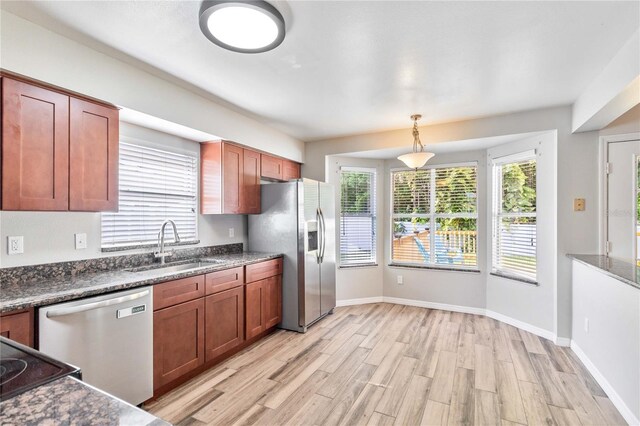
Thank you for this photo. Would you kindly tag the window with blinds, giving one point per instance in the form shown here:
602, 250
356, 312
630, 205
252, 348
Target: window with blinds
357, 216
155, 186
435, 216
514, 216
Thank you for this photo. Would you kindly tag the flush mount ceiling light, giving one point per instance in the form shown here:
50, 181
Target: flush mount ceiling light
242, 26
419, 156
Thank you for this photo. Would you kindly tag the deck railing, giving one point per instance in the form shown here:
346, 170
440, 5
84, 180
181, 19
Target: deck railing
462, 243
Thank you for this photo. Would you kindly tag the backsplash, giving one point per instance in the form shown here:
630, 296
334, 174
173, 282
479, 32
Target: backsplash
72, 268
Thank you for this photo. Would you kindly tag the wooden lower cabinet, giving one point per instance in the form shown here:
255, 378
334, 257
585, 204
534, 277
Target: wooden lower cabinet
178, 341
18, 327
273, 301
263, 305
224, 321
254, 309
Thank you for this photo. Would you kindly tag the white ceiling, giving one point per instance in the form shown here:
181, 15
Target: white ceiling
350, 67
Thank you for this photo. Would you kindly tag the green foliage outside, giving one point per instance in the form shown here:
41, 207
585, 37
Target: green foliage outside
355, 192
519, 187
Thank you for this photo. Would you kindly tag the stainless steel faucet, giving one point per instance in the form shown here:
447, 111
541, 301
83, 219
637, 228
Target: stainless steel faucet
176, 238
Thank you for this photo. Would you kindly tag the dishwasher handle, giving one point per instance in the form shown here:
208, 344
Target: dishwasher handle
95, 305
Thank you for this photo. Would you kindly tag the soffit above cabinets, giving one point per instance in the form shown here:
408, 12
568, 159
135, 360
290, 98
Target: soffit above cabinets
356, 67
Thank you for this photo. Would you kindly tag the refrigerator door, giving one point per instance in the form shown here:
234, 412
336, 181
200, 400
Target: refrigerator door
328, 249
310, 297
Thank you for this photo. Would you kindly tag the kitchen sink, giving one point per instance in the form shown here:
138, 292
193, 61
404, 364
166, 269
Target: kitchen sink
178, 266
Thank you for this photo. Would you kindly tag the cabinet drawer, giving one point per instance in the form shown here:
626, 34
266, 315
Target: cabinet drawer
262, 270
178, 291
224, 280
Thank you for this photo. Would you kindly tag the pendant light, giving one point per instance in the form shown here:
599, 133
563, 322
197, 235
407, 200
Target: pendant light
418, 157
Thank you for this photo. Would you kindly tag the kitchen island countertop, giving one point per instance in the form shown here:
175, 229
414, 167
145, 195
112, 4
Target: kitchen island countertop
621, 270
70, 401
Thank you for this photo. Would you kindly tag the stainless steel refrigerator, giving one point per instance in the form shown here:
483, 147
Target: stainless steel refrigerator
298, 219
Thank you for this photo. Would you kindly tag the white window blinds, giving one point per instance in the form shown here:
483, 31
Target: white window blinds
514, 216
155, 186
357, 216
435, 216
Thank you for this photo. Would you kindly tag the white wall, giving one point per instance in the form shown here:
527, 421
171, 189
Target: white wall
532, 304
577, 158
612, 344
626, 123
49, 236
366, 281
446, 287
31, 50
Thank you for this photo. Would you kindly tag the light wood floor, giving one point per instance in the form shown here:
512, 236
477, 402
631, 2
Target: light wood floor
384, 364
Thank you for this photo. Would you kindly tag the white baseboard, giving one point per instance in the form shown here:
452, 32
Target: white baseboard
523, 325
361, 301
433, 305
605, 385
563, 341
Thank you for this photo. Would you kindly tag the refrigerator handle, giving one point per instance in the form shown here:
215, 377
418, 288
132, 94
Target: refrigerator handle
324, 235
320, 236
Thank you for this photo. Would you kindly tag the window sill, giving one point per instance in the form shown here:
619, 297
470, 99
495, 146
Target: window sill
364, 265
109, 249
515, 278
435, 268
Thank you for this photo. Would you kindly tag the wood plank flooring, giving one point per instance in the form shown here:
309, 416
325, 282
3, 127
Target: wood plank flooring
383, 364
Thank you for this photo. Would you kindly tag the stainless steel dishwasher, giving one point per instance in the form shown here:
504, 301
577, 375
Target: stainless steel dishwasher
110, 337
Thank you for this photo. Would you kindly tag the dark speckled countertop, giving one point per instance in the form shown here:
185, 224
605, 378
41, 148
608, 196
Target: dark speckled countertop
627, 272
19, 293
68, 401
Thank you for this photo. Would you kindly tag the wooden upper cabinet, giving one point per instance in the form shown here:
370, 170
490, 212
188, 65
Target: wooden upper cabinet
232, 178
35, 147
93, 157
59, 152
229, 179
271, 167
251, 182
290, 170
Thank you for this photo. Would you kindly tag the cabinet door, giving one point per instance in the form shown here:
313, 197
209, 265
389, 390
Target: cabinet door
93, 155
178, 341
251, 182
18, 327
224, 313
271, 167
211, 178
254, 309
35, 148
273, 301
290, 170
232, 178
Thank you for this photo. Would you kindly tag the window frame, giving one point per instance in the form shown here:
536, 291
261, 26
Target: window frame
635, 207
496, 216
433, 216
374, 215
133, 245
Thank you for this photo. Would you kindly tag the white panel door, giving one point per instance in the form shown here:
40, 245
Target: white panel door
622, 193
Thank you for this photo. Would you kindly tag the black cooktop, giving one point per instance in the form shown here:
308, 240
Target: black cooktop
23, 368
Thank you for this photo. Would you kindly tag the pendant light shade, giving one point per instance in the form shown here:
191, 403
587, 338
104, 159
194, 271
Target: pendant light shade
418, 157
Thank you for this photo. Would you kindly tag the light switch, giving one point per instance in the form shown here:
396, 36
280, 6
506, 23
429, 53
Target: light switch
81, 241
399, 279
578, 205
15, 245
232, 233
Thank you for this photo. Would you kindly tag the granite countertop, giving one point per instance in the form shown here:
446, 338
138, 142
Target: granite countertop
70, 401
624, 271
20, 293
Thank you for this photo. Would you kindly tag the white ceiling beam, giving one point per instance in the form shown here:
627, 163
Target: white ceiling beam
613, 92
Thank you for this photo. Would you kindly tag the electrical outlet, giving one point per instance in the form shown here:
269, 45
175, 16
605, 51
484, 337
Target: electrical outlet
81, 241
15, 245
578, 205
400, 279
586, 325
232, 232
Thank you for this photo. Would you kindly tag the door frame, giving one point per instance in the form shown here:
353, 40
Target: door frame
604, 184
